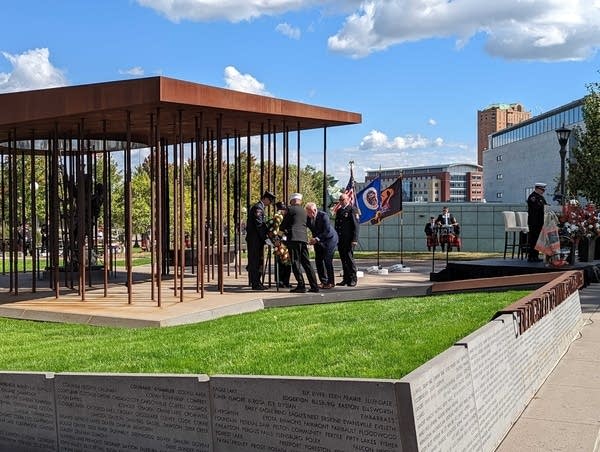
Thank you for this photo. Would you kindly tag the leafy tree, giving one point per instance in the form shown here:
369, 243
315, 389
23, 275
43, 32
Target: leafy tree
140, 201
117, 193
23, 166
584, 166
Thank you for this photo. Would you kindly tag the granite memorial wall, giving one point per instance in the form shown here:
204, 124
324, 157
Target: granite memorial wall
503, 371
466, 398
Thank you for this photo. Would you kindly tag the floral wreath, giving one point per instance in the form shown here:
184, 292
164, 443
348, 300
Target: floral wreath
274, 235
575, 223
578, 222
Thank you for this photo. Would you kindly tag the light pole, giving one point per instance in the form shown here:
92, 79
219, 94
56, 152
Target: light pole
563, 137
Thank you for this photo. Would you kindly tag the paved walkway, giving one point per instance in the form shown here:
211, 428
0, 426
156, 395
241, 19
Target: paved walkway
564, 415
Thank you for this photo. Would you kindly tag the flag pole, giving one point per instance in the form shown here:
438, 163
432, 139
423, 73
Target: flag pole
378, 227
401, 229
378, 235
401, 237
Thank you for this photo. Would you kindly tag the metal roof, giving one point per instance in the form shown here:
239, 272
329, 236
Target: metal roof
100, 110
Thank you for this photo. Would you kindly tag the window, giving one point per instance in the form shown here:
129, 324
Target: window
499, 176
499, 194
499, 158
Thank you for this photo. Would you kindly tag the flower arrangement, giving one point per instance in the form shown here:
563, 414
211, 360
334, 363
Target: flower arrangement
577, 222
274, 235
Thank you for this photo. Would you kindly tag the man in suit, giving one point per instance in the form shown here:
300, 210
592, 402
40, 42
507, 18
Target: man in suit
448, 223
324, 239
346, 226
430, 233
294, 225
256, 235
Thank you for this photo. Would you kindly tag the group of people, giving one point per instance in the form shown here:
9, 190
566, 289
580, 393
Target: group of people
325, 238
443, 230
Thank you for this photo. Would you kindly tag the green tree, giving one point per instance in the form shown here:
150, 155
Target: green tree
584, 165
140, 201
117, 194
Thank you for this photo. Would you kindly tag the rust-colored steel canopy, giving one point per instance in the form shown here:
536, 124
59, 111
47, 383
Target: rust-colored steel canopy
37, 113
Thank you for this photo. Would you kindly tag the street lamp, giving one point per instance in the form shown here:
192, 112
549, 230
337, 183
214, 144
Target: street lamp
562, 134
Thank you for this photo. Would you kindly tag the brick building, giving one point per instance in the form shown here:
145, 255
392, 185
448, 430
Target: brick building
494, 118
454, 182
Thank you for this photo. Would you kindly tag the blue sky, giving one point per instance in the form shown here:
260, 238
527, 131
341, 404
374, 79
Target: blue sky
417, 70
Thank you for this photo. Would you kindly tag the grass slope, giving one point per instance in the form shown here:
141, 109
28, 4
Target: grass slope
377, 339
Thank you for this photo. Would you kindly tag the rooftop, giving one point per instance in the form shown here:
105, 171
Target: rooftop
100, 111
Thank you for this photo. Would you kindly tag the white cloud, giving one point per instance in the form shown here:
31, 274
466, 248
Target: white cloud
377, 150
289, 31
135, 71
31, 70
232, 10
432, 122
244, 82
379, 141
548, 30
239, 10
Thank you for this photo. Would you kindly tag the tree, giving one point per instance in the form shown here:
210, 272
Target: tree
117, 193
140, 203
584, 165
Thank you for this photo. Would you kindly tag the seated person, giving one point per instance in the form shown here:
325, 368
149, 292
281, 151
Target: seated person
431, 233
448, 223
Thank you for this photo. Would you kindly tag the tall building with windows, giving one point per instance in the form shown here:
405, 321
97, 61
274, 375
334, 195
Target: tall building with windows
455, 182
494, 118
526, 153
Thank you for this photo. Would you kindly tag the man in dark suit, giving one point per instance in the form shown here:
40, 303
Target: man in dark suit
431, 234
294, 225
324, 239
447, 222
346, 225
256, 234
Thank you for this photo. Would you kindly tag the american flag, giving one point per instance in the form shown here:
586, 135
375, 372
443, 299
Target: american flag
349, 190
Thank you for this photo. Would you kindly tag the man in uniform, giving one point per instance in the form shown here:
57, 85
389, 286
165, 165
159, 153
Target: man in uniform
535, 219
256, 235
346, 225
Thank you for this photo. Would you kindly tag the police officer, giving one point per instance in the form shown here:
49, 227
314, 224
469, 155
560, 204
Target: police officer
256, 235
346, 225
535, 219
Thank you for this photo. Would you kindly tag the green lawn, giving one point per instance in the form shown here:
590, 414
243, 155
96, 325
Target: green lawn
140, 257
378, 339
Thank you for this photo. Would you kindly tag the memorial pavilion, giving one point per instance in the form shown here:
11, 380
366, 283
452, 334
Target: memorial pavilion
56, 150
